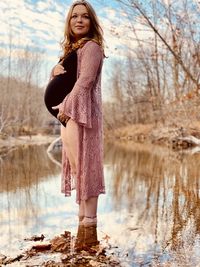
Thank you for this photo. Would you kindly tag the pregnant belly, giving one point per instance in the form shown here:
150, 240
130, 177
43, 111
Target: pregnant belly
61, 85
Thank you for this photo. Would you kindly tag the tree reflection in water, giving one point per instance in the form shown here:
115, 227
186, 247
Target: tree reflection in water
161, 189
152, 192
22, 171
25, 167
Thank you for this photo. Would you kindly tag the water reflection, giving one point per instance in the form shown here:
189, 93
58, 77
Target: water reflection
150, 213
24, 168
27, 191
161, 191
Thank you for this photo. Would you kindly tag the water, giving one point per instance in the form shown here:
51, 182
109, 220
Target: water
150, 212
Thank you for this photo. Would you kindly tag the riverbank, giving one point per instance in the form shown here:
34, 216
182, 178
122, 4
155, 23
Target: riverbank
172, 136
8, 143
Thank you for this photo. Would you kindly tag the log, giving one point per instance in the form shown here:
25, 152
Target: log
190, 140
50, 149
51, 146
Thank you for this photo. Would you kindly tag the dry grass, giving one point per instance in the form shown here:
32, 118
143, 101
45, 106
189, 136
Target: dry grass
156, 134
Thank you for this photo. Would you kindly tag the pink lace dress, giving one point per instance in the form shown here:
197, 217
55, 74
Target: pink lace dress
84, 106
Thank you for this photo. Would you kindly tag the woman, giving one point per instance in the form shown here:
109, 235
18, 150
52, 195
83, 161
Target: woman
82, 158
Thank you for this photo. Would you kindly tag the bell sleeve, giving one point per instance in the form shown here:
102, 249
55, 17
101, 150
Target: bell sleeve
77, 104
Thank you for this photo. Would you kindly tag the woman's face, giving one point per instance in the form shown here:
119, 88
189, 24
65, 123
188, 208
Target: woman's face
80, 21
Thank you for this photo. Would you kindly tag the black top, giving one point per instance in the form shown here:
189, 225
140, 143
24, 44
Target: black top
62, 84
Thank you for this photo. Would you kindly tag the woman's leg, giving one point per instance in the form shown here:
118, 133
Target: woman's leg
90, 218
70, 141
69, 137
91, 207
81, 210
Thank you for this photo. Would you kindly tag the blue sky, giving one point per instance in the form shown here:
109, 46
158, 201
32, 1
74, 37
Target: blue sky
39, 26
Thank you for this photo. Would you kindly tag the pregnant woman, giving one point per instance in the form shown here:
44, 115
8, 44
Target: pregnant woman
81, 111
62, 84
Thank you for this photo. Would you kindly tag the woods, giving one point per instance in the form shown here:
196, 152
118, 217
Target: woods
21, 103
158, 81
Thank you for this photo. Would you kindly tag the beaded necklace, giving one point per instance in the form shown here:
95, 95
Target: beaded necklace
74, 46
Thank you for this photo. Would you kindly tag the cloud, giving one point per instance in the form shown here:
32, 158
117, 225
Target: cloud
39, 25
36, 24
120, 32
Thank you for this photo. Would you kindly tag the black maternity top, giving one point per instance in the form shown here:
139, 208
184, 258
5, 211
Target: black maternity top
62, 84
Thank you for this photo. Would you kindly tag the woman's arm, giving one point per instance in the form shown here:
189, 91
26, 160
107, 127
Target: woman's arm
92, 55
77, 104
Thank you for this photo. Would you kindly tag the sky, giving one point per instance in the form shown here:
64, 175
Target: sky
39, 25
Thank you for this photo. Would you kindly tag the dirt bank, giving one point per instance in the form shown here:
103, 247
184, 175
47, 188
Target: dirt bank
173, 136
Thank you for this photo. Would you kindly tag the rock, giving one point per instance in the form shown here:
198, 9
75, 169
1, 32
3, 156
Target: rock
2, 258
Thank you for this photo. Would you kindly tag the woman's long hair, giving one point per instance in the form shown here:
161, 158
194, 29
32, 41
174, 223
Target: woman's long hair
95, 33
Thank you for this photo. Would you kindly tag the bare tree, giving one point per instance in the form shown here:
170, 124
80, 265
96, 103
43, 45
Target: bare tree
161, 75
22, 107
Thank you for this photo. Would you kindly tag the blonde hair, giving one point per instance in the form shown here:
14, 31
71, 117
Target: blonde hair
95, 33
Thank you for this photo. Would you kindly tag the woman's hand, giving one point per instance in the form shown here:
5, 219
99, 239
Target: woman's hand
58, 69
61, 116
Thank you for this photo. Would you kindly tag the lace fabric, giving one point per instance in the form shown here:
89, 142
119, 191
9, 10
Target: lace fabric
84, 106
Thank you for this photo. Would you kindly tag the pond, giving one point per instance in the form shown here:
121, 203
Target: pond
150, 213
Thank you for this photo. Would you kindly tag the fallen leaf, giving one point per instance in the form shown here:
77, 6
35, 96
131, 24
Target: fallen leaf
106, 237
35, 238
60, 244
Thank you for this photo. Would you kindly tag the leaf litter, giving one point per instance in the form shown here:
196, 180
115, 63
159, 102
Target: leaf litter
84, 250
